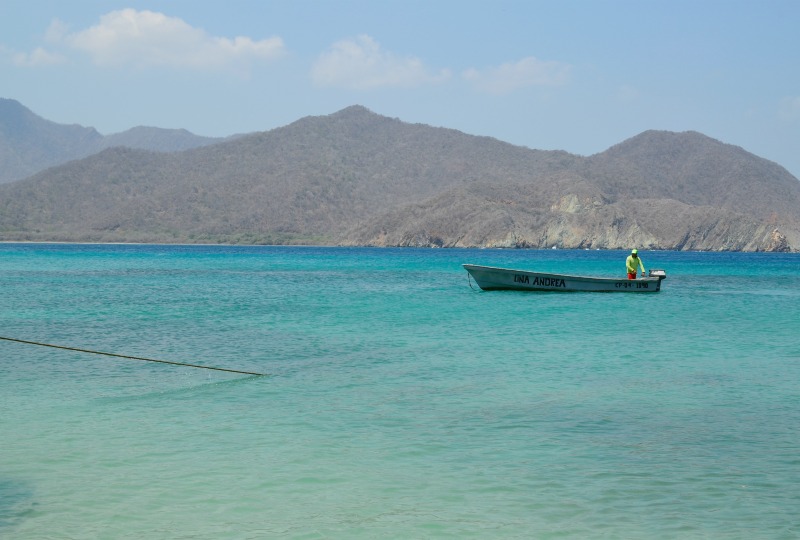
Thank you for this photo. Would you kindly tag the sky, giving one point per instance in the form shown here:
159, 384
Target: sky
571, 75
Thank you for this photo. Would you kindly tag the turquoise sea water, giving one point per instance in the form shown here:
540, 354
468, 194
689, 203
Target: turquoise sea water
401, 403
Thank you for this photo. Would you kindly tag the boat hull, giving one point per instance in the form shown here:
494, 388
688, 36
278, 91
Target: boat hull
490, 278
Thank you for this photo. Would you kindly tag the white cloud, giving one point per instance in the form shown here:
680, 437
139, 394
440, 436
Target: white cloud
38, 57
361, 64
56, 31
512, 76
149, 39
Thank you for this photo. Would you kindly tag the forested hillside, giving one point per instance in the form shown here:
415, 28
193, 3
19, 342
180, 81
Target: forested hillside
358, 178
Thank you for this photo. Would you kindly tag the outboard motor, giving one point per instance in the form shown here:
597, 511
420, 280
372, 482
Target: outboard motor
660, 274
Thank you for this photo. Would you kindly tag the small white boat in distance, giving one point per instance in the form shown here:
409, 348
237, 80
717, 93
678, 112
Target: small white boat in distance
490, 278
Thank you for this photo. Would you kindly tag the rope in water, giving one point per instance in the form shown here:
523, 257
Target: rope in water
132, 357
469, 280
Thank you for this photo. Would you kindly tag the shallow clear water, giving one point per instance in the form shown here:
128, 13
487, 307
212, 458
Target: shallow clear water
401, 403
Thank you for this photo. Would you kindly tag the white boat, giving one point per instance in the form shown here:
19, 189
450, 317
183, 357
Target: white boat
490, 278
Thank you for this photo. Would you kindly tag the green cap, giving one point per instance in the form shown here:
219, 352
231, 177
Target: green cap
634, 251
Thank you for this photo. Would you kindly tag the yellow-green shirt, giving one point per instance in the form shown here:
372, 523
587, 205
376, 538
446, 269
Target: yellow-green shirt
630, 263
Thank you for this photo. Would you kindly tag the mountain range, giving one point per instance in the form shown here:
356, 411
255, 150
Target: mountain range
29, 143
358, 178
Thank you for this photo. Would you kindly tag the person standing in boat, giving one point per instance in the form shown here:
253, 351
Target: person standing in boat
631, 262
